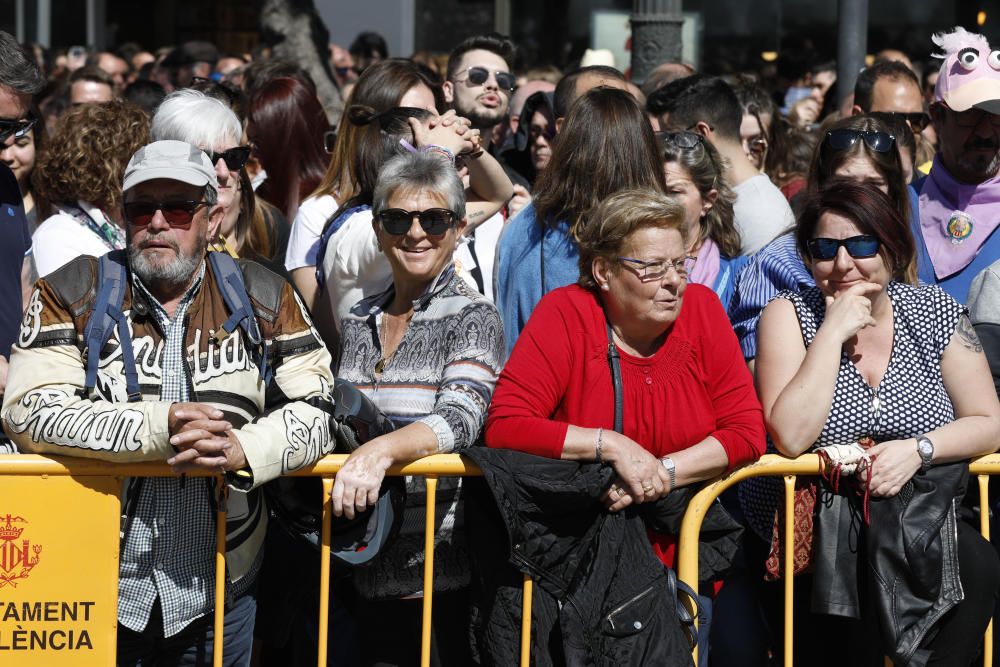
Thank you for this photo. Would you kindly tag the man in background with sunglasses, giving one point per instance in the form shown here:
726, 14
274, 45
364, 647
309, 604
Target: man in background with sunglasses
20, 78
708, 106
960, 199
890, 87
198, 375
478, 86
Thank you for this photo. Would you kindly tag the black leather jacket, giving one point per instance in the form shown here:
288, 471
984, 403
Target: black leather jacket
908, 555
601, 596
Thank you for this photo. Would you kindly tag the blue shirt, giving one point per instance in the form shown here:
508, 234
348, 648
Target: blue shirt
525, 273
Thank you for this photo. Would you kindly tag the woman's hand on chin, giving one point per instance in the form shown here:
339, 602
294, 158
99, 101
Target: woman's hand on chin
641, 476
357, 483
894, 463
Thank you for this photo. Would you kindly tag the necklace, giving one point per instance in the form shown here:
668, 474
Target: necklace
386, 357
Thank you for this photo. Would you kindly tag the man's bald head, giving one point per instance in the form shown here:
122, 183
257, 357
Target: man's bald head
575, 84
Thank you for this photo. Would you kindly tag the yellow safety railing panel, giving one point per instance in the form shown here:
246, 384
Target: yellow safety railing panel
772, 465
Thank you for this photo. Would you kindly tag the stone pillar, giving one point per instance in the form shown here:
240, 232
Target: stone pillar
656, 35
852, 43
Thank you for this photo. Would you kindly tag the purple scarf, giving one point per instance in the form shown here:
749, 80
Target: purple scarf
706, 269
947, 209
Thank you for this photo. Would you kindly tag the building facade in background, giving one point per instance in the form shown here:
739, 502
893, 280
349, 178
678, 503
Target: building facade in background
726, 35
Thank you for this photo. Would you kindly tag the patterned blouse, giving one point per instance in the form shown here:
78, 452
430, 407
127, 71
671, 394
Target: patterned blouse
910, 400
442, 374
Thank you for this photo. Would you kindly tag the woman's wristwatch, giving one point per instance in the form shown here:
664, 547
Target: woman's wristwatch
926, 450
668, 463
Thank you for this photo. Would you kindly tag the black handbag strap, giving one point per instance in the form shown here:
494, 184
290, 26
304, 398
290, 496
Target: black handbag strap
614, 361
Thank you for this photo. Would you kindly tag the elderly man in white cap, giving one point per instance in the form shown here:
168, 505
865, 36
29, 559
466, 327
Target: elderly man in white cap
958, 201
190, 357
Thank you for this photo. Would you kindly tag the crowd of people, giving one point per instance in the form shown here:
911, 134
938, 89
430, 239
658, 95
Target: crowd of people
603, 294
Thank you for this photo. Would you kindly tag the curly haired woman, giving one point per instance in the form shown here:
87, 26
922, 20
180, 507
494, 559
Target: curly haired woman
81, 174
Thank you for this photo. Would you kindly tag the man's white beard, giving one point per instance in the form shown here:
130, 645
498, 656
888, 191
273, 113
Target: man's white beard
168, 274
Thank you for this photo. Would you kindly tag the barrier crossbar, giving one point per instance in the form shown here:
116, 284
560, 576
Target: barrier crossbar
772, 465
431, 467
453, 465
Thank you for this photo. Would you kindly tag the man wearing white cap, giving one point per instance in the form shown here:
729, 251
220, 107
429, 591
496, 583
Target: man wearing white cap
960, 199
188, 325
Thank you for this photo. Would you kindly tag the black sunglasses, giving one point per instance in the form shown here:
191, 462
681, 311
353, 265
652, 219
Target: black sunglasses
841, 140
858, 247
18, 128
235, 158
479, 75
917, 120
684, 140
178, 213
434, 221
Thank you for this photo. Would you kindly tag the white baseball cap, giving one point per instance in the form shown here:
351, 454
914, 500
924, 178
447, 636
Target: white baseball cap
173, 160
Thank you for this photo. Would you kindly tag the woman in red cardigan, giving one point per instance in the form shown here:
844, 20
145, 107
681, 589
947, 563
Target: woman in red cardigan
689, 411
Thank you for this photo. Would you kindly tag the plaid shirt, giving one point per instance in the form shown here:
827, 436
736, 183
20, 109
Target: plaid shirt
169, 545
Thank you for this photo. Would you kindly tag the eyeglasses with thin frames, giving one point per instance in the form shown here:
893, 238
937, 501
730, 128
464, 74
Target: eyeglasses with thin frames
651, 270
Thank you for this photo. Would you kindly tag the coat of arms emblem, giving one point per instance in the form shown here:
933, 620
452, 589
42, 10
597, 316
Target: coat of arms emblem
17, 556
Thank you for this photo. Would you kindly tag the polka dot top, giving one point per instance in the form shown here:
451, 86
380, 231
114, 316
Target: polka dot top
910, 400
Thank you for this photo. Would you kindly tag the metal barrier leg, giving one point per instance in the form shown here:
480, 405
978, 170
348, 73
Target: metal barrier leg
425, 635
789, 564
324, 572
984, 528
220, 572
526, 621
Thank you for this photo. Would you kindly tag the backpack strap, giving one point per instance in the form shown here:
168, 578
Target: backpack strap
112, 279
332, 227
229, 279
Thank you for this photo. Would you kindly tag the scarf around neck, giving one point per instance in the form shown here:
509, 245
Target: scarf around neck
956, 218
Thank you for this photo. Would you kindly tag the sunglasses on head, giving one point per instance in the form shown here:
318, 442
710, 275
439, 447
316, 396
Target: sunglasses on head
177, 213
479, 75
858, 247
434, 221
18, 128
684, 140
917, 120
841, 140
235, 158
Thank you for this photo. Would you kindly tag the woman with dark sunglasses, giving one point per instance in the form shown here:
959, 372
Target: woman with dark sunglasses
205, 117
427, 351
892, 377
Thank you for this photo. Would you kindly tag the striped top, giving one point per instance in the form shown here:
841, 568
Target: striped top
442, 374
776, 267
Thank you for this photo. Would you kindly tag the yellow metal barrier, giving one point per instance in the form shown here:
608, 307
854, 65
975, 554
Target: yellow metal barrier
431, 467
808, 464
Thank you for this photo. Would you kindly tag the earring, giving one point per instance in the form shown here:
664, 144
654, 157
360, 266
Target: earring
605, 287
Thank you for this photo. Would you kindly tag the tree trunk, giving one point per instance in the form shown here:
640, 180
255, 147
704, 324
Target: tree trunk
296, 33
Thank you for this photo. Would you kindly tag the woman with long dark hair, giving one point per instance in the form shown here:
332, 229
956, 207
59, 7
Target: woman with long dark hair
605, 145
285, 126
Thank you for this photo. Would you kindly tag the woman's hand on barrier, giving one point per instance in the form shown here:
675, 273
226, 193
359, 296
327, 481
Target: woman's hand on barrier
894, 463
642, 475
357, 483
850, 311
